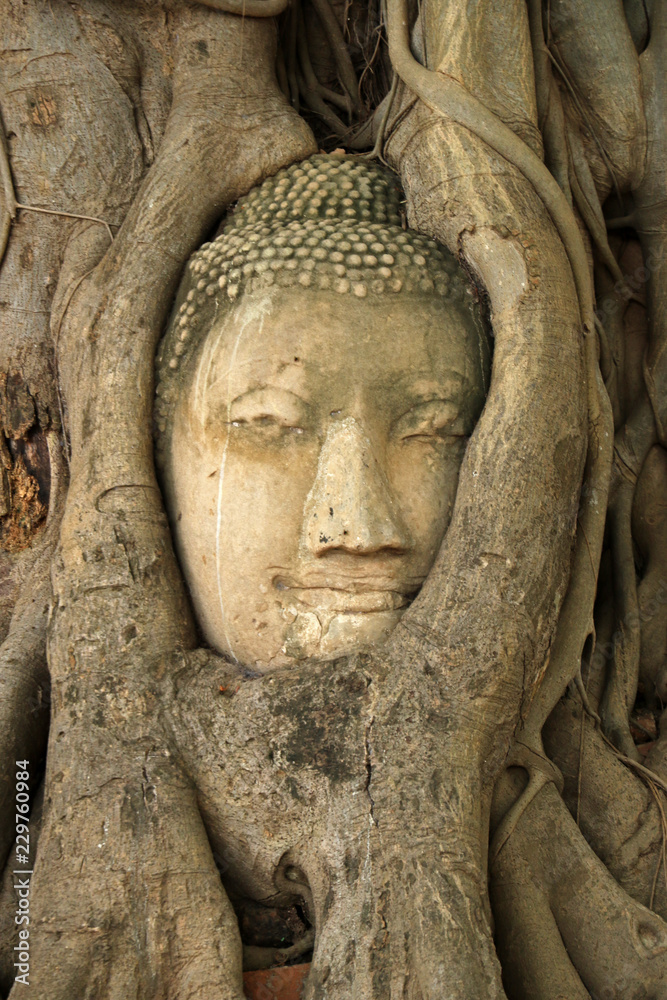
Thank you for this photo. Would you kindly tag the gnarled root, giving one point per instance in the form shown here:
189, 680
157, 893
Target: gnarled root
565, 925
149, 916
618, 815
24, 683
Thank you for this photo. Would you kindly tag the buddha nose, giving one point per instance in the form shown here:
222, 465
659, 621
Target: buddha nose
350, 506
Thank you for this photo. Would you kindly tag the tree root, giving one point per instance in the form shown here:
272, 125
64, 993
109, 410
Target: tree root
618, 814
310, 88
24, 685
8, 200
302, 84
576, 618
264, 958
10, 206
603, 87
382, 121
339, 50
550, 115
448, 98
588, 203
540, 771
24, 679
548, 885
69, 215
649, 529
543, 970
571, 91
621, 687
633, 443
117, 610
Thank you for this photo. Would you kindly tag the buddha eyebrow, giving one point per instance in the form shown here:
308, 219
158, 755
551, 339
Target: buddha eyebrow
448, 390
427, 381
421, 407
257, 390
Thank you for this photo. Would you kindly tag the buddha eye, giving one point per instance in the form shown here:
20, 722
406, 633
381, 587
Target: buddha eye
272, 420
269, 413
268, 424
430, 422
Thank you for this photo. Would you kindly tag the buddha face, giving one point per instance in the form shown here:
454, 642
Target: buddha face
312, 467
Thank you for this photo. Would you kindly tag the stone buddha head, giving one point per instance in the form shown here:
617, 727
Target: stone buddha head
316, 386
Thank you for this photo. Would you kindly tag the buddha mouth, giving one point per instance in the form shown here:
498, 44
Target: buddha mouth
347, 596
345, 602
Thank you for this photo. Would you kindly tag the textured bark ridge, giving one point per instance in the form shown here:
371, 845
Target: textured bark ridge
478, 808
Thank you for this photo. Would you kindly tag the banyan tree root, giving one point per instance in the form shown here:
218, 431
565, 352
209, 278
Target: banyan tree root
618, 813
565, 928
449, 99
574, 628
649, 531
149, 913
24, 684
324, 794
484, 248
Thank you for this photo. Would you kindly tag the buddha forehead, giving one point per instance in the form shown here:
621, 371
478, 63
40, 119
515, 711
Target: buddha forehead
385, 348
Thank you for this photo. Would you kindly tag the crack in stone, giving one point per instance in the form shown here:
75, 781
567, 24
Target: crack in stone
368, 760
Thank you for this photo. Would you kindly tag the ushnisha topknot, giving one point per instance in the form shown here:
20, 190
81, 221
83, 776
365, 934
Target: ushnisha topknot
328, 223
